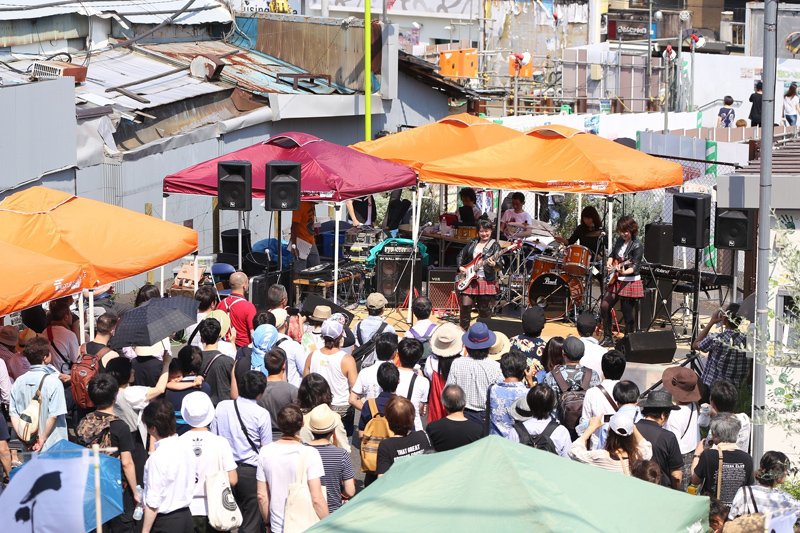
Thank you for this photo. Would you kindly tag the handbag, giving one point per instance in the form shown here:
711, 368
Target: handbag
299, 513
223, 513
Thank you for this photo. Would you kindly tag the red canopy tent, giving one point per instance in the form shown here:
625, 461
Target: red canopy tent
329, 171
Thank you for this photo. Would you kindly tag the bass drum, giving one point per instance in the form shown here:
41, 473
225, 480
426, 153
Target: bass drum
551, 292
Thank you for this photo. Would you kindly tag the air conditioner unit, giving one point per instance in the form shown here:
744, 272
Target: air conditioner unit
58, 69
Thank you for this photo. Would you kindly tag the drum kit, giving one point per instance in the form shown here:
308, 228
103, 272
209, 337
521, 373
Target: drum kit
555, 277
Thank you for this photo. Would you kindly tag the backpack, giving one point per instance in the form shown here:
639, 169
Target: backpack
365, 349
542, 441
95, 429
29, 418
376, 430
425, 339
82, 373
570, 403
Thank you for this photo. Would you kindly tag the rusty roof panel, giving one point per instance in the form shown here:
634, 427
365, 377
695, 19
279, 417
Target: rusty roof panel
249, 70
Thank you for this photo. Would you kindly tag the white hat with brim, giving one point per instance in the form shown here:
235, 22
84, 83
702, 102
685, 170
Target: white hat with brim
197, 409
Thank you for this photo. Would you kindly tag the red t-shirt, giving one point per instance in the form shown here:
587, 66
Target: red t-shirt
242, 313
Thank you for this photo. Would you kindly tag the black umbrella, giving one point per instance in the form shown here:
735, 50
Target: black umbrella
155, 320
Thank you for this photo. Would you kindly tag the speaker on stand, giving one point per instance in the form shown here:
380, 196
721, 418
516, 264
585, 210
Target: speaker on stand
691, 228
235, 192
283, 186
735, 229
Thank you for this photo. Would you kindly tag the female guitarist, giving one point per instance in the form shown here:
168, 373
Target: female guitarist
625, 283
483, 288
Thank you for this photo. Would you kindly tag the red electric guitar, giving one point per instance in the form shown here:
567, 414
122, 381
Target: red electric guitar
613, 274
471, 269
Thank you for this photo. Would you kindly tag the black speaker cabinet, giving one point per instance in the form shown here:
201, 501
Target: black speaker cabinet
283, 186
234, 186
394, 276
650, 307
441, 284
658, 243
510, 326
734, 228
649, 347
691, 220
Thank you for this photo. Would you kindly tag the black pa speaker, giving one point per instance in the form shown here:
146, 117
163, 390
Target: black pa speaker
649, 347
658, 243
283, 186
394, 276
234, 186
734, 228
691, 219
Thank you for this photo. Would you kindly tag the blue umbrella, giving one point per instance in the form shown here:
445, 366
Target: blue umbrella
110, 482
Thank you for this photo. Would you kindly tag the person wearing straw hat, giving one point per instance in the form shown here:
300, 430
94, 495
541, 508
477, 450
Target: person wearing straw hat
339, 478
312, 339
446, 346
656, 408
14, 360
211, 452
476, 372
682, 383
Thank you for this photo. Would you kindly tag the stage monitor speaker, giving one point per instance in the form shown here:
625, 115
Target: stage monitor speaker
283, 186
658, 243
510, 326
313, 300
735, 228
691, 219
234, 186
649, 347
394, 276
441, 284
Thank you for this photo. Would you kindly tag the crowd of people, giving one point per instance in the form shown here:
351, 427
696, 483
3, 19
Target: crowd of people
266, 402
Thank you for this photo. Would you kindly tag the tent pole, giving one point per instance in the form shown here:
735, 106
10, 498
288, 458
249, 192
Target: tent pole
239, 236
580, 206
337, 206
280, 244
609, 220
415, 214
163, 217
499, 212
91, 314
81, 318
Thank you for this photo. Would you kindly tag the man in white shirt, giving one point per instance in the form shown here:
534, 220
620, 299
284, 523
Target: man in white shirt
207, 299
366, 386
423, 329
169, 474
213, 453
515, 219
413, 386
592, 352
599, 400
63, 341
295, 353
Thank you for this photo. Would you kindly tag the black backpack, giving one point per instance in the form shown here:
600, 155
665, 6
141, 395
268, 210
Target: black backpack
365, 349
542, 441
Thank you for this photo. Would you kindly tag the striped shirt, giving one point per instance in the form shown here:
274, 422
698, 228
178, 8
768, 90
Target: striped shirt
338, 469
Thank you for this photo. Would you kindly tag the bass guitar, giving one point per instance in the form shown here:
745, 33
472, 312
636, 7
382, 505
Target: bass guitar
471, 269
616, 266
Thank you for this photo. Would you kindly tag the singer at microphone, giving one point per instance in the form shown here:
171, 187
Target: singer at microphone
588, 233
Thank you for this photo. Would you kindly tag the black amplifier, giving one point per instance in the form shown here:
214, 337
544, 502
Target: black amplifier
368, 236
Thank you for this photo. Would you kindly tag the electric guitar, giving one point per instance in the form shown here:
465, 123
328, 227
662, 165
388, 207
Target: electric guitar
471, 269
613, 274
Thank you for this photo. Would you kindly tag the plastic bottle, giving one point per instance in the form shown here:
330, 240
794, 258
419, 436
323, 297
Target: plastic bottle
138, 513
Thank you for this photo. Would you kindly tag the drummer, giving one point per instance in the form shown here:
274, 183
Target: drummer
588, 232
515, 220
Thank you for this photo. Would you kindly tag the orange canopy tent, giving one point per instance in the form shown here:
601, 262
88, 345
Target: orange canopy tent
556, 158
448, 137
102, 242
29, 278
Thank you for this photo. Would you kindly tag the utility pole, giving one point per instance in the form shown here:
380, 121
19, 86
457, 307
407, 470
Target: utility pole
649, 52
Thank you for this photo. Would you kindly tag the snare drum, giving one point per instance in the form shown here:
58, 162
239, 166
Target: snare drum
576, 260
543, 264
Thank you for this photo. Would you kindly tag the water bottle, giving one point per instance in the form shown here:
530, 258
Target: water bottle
138, 513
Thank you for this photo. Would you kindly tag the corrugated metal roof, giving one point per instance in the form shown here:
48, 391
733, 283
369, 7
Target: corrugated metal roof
135, 11
250, 70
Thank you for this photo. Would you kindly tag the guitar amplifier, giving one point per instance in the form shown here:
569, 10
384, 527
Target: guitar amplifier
368, 236
441, 285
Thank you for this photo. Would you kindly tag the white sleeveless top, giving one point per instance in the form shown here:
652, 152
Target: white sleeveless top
330, 367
